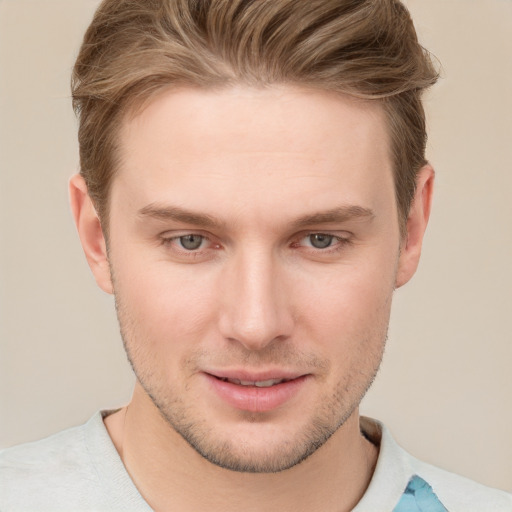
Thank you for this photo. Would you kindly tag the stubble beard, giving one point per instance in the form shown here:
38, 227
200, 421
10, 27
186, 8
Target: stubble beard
331, 413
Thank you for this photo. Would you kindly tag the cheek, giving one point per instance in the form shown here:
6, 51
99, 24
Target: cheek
162, 307
349, 306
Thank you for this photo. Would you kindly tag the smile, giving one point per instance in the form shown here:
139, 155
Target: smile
253, 393
258, 383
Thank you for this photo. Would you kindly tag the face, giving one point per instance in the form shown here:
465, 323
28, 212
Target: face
254, 248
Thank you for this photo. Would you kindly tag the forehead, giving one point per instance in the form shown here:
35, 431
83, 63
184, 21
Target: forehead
280, 145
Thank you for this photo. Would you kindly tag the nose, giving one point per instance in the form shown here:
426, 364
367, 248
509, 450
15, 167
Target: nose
255, 301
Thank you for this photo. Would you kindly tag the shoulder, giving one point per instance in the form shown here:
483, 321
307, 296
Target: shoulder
77, 469
396, 469
51, 473
52, 451
458, 493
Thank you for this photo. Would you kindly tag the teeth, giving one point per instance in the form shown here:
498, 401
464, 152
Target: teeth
267, 383
258, 384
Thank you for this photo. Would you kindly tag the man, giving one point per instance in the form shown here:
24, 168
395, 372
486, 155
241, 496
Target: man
253, 188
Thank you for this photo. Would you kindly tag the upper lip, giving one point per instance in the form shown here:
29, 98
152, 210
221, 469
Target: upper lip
255, 376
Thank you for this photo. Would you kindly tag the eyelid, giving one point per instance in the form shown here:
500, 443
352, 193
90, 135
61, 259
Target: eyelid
342, 240
168, 239
340, 235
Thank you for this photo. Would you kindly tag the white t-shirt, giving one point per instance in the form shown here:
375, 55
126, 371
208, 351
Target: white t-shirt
80, 470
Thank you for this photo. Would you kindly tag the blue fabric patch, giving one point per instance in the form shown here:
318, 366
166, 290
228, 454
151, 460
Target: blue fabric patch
419, 497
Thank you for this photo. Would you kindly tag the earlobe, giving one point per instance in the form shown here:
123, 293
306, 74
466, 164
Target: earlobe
416, 225
90, 232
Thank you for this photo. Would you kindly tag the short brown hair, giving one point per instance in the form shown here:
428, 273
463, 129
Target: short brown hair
363, 48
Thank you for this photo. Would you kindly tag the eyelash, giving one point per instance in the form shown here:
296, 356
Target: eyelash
168, 242
339, 243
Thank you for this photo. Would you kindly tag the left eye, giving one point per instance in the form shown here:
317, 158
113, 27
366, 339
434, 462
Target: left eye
191, 242
320, 240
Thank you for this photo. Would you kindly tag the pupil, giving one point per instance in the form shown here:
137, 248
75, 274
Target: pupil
191, 242
320, 241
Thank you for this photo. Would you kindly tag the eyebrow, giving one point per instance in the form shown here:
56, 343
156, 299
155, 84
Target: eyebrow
335, 216
178, 214
175, 213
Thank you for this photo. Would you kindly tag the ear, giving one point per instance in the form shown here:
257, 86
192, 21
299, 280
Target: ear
416, 225
90, 232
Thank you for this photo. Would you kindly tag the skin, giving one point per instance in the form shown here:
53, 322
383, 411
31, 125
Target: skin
258, 172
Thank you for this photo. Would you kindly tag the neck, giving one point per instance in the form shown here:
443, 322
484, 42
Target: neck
168, 472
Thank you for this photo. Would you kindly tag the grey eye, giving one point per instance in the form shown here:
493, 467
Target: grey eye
320, 240
191, 242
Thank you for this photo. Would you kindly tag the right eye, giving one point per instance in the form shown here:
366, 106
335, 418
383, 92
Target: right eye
320, 240
192, 247
191, 242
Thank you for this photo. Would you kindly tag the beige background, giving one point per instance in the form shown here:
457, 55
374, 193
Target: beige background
445, 389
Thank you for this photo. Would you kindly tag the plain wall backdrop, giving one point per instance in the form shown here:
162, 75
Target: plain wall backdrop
445, 388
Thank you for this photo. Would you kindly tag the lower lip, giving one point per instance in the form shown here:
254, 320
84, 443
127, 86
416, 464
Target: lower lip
254, 399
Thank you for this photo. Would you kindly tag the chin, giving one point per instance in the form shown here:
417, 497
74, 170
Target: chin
255, 443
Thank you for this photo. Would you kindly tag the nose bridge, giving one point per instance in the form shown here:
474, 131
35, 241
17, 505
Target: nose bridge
255, 310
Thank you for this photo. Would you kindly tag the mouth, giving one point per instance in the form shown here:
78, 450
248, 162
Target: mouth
255, 383
256, 393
